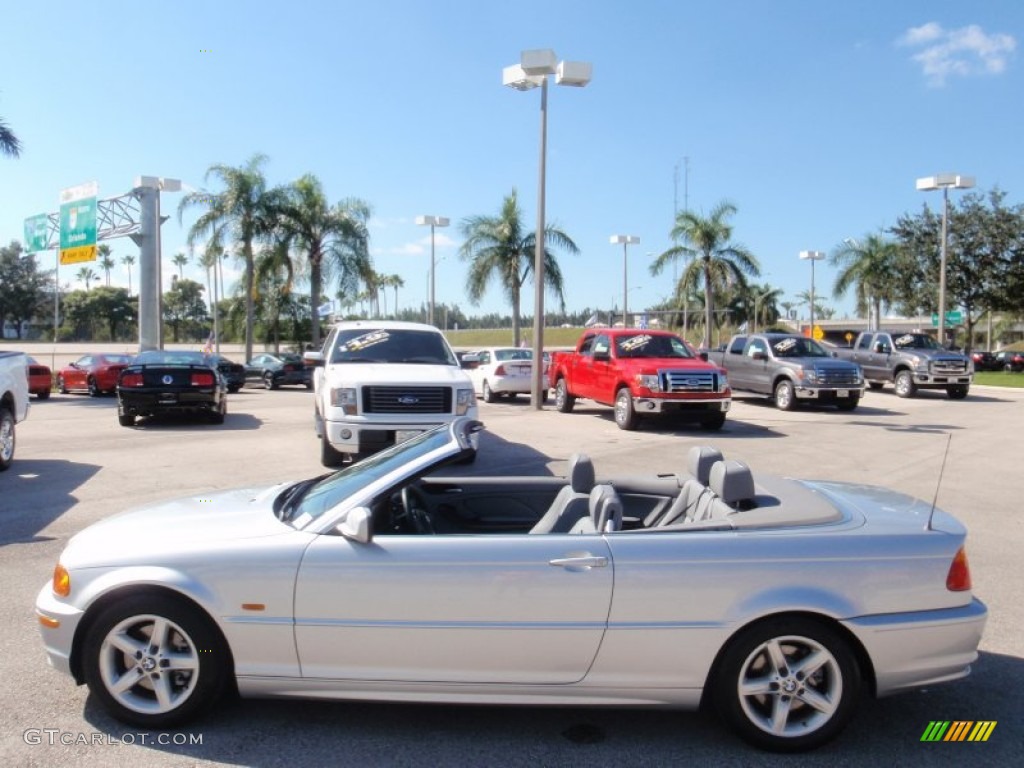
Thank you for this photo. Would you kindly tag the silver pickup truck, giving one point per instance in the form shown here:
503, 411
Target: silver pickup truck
789, 368
13, 401
910, 361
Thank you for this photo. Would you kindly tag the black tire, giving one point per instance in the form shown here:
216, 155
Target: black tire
957, 391
61, 386
7, 438
714, 422
44, 395
487, 393
330, 457
564, 402
785, 395
126, 419
268, 381
94, 390
203, 660
848, 403
876, 384
218, 416
625, 414
904, 384
234, 388
817, 703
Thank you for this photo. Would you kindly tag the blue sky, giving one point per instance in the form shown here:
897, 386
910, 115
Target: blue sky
813, 118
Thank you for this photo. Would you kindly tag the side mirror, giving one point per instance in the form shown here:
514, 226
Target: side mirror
703, 355
357, 525
313, 359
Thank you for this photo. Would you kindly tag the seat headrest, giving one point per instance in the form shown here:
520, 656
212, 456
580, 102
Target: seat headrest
605, 508
732, 482
581, 473
701, 459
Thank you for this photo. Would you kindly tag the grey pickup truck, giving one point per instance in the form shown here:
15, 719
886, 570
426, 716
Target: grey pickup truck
789, 368
910, 361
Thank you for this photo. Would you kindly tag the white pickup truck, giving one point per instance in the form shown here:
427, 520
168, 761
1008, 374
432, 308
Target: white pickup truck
13, 401
380, 382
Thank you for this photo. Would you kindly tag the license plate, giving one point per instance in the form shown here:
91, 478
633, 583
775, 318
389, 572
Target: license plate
401, 435
842, 393
168, 398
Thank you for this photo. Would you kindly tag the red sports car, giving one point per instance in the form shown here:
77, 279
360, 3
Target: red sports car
40, 379
94, 374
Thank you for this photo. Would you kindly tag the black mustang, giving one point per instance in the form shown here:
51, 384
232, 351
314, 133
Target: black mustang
163, 382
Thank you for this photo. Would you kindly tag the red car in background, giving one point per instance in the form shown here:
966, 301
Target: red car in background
94, 374
40, 379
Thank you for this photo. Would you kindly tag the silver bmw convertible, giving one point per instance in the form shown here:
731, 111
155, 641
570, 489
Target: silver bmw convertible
776, 601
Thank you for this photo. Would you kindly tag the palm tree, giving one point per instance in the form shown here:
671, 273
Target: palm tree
498, 247
275, 274
867, 266
396, 282
247, 209
106, 261
9, 144
334, 240
86, 275
714, 260
129, 261
180, 260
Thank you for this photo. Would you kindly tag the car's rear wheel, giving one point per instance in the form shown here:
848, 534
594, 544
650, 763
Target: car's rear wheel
564, 402
6, 438
787, 684
217, 416
957, 391
487, 393
625, 414
904, 384
154, 661
330, 457
785, 395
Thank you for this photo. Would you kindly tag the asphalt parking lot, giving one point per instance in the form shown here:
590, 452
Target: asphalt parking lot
74, 465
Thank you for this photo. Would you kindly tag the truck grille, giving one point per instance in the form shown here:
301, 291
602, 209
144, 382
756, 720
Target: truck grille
688, 381
407, 400
836, 378
947, 367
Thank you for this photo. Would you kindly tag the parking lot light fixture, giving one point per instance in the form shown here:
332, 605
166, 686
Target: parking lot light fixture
812, 256
432, 222
532, 71
626, 241
945, 182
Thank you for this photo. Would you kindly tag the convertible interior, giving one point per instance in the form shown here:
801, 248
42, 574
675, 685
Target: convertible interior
713, 494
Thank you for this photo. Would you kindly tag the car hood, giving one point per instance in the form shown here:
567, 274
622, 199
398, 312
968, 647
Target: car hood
398, 373
179, 525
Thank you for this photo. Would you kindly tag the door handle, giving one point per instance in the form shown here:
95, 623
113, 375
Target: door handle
583, 561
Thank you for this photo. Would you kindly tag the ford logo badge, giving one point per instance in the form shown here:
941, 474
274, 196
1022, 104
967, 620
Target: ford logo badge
693, 382
408, 400
167, 379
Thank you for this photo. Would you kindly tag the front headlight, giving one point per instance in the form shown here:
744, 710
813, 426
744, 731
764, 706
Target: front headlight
723, 382
649, 381
463, 398
345, 399
809, 375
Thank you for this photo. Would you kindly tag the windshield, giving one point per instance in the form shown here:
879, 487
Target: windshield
649, 345
349, 483
916, 341
390, 345
798, 346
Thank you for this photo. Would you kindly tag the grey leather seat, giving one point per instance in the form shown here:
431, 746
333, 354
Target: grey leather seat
605, 512
700, 459
733, 486
571, 503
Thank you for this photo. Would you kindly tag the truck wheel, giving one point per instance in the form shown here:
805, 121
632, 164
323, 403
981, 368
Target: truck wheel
957, 391
6, 438
563, 400
785, 396
487, 393
712, 423
847, 403
330, 457
876, 384
625, 416
905, 384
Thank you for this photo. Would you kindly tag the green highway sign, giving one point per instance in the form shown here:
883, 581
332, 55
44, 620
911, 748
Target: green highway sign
36, 232
953, 317
78, 224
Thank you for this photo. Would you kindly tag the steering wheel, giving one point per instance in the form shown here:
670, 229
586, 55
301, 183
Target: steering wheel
415, 509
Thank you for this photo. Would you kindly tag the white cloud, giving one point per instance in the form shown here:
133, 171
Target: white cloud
960, 52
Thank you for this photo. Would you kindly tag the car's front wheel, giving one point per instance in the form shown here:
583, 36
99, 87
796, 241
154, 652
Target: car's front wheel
154, 661
62, 386
785, 395
94, 389
904, 384
6, 438
268, 381
787, 684
625, 414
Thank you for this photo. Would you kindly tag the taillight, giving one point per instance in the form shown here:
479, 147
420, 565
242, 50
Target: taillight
131, 380
499, 371
202, 379
959, 577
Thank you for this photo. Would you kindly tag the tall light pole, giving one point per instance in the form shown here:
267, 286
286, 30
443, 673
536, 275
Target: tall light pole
812, 256
626, 240
532, 71
945, 182
432, 221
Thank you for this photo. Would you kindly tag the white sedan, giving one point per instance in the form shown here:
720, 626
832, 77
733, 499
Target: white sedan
501, 371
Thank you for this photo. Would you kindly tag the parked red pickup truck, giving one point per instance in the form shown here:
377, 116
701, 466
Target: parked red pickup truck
641, 373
